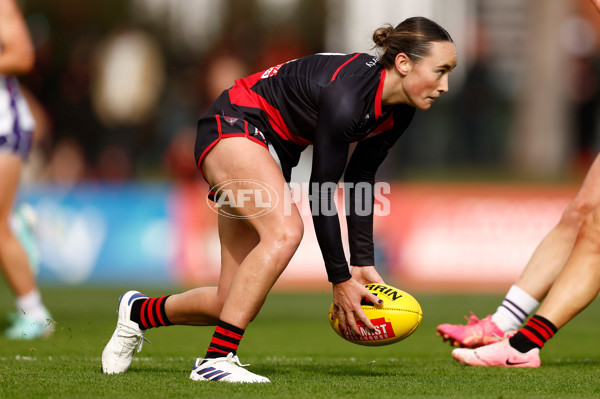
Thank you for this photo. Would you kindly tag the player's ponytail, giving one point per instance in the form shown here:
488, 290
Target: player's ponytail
411, 37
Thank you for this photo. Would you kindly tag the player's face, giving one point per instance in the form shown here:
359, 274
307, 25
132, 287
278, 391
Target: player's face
427, 79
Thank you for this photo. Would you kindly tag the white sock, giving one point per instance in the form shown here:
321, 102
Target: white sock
514, 310
30, 305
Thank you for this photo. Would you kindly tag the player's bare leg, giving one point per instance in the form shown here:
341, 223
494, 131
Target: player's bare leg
13, 257
579, 280
279, 230
32, 319
254, 253
553, 252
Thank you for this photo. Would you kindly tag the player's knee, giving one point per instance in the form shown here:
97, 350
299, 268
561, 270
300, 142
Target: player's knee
290, 236
286, 238
575, 214
590, 230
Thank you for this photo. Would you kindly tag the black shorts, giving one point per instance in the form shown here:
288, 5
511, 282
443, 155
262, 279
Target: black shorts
213, 128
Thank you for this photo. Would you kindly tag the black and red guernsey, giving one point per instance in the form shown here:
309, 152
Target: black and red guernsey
328, 101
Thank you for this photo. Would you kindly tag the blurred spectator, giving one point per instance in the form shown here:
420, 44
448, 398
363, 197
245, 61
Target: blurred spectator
127, 83
283, 43
585, 96
480, 133
66, 165
128, 78
114, 164
188, 96
221, 73
70, 105
178, 158
582, 87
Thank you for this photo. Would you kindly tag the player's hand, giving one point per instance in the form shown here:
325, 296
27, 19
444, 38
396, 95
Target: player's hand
367, 274
347, 297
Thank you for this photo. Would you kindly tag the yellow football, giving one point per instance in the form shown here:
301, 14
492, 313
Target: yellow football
398, 318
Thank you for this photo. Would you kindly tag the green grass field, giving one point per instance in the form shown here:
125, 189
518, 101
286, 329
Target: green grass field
292, 343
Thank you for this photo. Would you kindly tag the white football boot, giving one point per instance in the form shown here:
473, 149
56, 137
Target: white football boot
118, 352
225, 369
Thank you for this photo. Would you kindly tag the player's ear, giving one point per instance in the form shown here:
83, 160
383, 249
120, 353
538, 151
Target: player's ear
403, 64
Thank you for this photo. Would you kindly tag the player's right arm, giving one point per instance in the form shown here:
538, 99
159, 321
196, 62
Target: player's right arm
338, 110
17, 54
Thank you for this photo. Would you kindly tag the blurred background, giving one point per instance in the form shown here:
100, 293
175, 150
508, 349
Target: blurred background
476, 182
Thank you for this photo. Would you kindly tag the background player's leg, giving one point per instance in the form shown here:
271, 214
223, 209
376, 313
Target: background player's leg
579, 281
551, 255
32, 318
575, 287
538, 276
13, 257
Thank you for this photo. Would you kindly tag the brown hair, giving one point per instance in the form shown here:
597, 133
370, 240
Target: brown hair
411, 37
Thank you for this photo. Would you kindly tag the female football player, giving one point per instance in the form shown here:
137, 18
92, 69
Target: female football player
32, 319
246, 145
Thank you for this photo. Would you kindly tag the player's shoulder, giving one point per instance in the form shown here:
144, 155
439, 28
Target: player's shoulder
336, 63
351, 62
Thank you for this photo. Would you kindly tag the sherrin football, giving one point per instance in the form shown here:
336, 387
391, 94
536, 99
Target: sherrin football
398, 318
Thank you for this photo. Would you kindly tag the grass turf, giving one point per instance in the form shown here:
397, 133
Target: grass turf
292, 343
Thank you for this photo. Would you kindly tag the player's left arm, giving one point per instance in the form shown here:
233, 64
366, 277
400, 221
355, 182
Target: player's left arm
338, 110
18, 54
329, 158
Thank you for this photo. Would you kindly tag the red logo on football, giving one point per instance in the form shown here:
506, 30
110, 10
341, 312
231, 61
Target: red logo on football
383, 330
